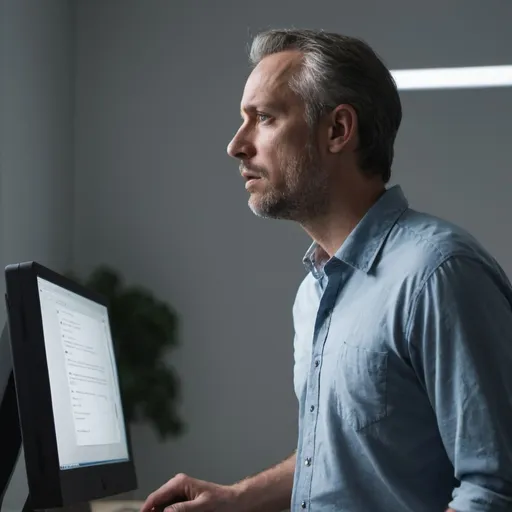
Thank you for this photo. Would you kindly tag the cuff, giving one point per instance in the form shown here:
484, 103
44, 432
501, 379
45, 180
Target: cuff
469, 497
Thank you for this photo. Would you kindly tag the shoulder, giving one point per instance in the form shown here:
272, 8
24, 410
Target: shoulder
429, 264
446, 267
423, 243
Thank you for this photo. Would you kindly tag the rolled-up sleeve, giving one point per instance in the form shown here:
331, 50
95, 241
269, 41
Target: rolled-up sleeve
460, 341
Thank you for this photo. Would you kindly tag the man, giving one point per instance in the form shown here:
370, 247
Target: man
403, 324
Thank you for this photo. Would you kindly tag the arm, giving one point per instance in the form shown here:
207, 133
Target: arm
460, 342
269, 491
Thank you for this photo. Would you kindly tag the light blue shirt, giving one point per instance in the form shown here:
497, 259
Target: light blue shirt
403, 370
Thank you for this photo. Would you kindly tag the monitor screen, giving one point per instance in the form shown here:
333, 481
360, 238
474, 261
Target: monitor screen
84, 386
69, 404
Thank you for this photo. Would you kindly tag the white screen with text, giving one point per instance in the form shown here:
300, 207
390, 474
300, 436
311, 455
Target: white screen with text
83, 377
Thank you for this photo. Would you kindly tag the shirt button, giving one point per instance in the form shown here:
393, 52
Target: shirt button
303, 504
312, 408
308, 461
317, 362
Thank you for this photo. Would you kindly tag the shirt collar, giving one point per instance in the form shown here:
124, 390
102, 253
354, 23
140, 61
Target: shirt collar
365, 241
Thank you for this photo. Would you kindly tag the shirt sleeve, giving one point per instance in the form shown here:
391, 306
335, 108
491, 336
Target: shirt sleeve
460, 342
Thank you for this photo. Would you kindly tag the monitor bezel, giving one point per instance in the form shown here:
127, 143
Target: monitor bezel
49, 485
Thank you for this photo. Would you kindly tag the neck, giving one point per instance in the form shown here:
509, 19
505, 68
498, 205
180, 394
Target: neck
331, 229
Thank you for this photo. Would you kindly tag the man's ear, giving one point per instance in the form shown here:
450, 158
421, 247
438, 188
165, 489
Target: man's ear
343, 129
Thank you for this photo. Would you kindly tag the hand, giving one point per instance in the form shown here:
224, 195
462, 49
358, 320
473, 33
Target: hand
185, 494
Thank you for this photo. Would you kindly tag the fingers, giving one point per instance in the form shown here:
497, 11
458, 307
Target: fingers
166, 494
200, 504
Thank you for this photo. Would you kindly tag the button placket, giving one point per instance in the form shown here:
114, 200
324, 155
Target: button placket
320, 336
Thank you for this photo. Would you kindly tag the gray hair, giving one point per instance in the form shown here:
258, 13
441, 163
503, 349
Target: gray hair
340, 69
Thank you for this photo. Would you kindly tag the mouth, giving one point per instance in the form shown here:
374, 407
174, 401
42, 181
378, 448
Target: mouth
249, 176
251, 179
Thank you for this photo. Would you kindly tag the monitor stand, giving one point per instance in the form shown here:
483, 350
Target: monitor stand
10, 440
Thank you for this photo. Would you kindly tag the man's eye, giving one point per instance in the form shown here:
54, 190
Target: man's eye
262, 118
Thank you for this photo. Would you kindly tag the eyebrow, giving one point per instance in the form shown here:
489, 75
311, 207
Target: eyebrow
251, 108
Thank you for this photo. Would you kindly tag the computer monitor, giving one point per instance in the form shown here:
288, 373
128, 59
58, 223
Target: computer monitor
75, 440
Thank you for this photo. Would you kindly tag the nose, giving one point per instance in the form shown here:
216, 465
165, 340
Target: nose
241, 148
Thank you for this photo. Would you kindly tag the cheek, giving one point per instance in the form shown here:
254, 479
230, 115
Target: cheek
268, 145
278, 150
271, 156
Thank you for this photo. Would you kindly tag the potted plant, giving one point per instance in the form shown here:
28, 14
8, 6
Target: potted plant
144, 329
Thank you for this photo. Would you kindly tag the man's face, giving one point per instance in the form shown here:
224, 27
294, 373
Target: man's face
276, 148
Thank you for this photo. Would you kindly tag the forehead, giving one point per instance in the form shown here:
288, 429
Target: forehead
268, 82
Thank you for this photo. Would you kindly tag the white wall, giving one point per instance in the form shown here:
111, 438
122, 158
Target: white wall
36, 144
158, 91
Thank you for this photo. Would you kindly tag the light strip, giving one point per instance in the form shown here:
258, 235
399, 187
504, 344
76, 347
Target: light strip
453, 78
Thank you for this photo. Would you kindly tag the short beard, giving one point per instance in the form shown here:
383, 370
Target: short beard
305, 192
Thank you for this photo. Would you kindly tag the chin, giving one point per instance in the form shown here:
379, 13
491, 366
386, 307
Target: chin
268, 210
256, 206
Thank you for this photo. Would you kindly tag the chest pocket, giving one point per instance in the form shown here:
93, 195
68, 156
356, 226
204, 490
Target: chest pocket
361, 386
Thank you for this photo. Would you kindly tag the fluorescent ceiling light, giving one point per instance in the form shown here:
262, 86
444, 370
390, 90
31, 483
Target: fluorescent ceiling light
453, 78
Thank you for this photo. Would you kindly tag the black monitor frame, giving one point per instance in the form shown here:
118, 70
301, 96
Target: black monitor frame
49, 486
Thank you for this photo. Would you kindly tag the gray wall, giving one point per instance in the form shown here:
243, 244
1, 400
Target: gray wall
36, 144
158, 91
